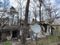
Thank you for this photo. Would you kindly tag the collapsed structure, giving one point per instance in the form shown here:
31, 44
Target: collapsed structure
11, 28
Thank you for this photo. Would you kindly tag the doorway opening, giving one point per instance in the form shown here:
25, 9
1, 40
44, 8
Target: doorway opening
15, 33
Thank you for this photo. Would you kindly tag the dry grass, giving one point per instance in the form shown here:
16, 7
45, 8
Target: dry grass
49, 40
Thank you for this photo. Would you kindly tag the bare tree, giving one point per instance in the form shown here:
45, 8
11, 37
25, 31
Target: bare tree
24, 35
19, 8
52, 13
35, 14
40, 1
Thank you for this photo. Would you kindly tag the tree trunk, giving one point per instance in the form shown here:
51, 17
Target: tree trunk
24, 35
40, 1
27, 11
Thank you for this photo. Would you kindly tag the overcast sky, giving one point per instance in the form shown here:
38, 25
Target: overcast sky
13, 2
54, 2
